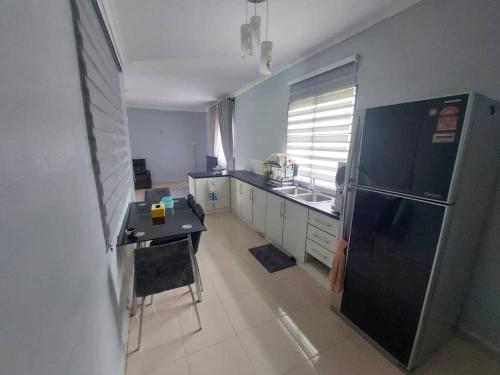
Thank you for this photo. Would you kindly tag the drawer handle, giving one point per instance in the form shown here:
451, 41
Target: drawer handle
322, 223
321, 239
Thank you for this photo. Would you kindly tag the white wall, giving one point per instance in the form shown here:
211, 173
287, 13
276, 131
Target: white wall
173, 143
60, 310
434, 48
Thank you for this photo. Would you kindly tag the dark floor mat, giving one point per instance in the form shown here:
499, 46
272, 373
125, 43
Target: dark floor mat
272, 258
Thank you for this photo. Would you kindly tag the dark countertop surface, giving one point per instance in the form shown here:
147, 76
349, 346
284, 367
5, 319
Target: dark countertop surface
259, 182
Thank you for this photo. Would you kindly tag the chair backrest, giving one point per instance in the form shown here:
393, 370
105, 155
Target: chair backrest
155, 195
191, 200
161, 268
196, 237
198, 210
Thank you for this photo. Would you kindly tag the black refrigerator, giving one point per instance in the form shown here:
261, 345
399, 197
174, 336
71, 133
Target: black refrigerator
420, 178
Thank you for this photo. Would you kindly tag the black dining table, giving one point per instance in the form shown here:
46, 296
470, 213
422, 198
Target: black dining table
179, 220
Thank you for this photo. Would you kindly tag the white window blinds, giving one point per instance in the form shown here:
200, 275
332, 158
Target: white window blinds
319, 134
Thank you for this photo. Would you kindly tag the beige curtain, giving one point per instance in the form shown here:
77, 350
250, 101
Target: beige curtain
225, 112
211, 131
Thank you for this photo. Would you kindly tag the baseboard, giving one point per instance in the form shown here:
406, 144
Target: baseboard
485, 345
217, 210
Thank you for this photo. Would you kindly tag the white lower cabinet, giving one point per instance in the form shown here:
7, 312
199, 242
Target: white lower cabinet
322, 232
295, 229
319, 252
221, 186
259, 201
274, 218
246, 202
192, 186
235, 196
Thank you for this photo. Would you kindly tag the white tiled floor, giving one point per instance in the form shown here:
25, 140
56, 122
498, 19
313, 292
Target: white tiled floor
258, 323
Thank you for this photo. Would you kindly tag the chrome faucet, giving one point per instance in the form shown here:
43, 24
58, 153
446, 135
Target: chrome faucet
312, 185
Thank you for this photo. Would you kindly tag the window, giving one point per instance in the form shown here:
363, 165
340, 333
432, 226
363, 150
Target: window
319, 134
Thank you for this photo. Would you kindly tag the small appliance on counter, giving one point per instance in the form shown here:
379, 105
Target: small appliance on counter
339, 185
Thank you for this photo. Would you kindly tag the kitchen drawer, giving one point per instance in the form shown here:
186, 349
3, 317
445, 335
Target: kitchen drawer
321, 237
319, 252
328, 224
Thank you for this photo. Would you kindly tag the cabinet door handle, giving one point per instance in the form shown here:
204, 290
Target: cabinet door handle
322, 223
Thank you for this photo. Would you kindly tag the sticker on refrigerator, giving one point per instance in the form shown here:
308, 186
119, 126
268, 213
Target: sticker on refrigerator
447, 123
443, 137
449, 110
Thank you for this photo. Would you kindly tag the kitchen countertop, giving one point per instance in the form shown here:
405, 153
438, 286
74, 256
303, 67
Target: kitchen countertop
259, 182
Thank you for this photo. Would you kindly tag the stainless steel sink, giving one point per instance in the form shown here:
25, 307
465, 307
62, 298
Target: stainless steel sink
291, 190
314, 197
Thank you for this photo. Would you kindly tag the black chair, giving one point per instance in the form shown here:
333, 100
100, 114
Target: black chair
191, 200
161, 268
195, 239
142, 176
155, 195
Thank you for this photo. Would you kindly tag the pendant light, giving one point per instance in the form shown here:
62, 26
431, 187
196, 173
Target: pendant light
250, 37
255, 27
266, 49
246, 36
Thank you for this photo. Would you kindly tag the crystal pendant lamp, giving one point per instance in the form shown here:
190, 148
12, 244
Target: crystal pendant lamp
266, 49
266, 55
250, 37
246, 40
255, 27
246, 36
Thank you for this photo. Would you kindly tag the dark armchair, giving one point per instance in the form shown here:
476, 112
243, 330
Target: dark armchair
142, 176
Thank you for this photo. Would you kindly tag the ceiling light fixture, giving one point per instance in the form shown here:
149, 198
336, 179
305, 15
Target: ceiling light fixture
250, 37
246, 36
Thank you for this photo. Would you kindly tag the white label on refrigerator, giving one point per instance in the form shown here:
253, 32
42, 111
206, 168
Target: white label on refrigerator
443, 137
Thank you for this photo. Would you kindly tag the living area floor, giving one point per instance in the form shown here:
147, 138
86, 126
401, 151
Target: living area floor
259, 323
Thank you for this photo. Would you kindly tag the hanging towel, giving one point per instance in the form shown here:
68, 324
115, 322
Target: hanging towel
338, 266
212, 194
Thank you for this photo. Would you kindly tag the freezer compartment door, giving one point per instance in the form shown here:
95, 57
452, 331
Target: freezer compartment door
411, 148
437, 147
388, 145
391, 251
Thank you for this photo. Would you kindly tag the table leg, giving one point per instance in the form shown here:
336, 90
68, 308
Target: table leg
196, 278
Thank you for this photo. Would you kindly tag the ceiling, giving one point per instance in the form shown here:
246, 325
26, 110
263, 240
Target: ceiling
185, 54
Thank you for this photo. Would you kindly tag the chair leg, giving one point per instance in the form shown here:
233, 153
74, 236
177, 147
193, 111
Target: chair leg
139, 338
150, 303
195, 306
196, 279
198, 272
